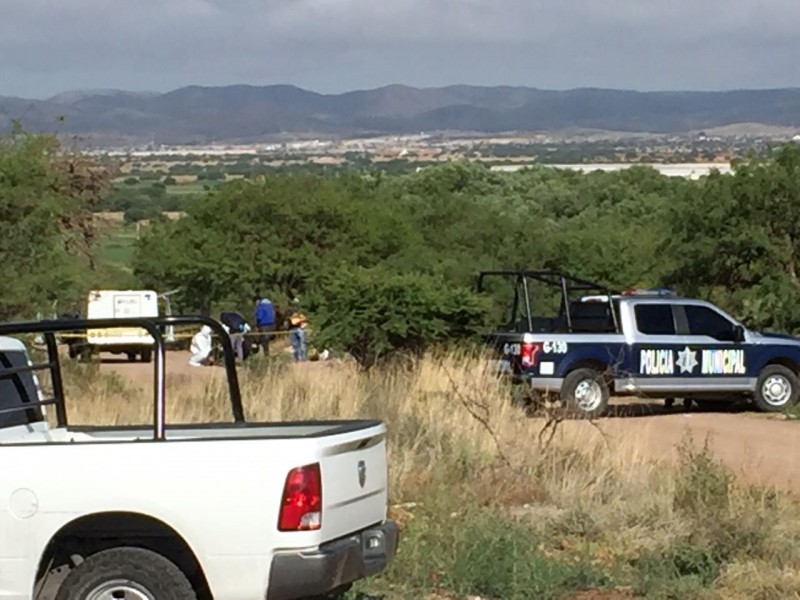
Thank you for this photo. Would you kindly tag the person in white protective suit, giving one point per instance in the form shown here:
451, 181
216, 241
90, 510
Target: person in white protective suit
201, 347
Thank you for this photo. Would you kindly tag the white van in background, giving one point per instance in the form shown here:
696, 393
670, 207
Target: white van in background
116, 304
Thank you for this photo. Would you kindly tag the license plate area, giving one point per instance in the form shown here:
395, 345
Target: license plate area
373, 544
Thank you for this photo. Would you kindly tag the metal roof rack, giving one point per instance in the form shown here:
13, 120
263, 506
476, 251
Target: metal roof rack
556, 278
153, 326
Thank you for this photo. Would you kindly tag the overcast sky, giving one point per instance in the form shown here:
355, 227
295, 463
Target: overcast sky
50, 46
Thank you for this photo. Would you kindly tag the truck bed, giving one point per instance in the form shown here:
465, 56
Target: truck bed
38, 433
219, 487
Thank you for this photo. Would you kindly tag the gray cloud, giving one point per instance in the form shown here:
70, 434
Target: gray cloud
49, 46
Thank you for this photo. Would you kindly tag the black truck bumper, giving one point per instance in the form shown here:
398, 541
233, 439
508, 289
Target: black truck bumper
334, 565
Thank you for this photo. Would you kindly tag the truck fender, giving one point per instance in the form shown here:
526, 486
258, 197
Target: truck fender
782, 358
596, 358
96, 529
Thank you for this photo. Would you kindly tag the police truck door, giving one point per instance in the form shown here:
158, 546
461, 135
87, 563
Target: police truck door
714, 352
653, 360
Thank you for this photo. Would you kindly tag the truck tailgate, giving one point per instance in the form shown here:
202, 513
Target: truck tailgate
354, 481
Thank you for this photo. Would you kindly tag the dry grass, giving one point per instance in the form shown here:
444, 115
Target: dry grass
456, 445
439, 409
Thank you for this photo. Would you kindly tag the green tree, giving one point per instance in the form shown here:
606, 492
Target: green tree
377, 316
47, 231
278, 233
736, 239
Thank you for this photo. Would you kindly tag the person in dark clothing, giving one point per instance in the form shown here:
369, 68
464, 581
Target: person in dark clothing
265, 321
237, 328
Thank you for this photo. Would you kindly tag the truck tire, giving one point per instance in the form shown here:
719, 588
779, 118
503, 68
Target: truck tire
777, 389
126, 573
585, 393
147, 355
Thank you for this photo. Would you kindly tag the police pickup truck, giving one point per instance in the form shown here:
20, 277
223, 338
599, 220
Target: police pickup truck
646, 344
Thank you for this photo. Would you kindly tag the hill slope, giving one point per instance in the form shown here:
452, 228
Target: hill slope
243, 112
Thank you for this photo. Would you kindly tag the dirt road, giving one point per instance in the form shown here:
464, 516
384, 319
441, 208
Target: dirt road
756, 447
142, 373
759, 448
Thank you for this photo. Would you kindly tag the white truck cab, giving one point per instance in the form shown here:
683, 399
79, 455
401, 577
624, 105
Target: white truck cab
226, 511
121, 304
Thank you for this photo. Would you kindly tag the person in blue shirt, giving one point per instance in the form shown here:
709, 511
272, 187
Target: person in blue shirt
298, 337
265, 321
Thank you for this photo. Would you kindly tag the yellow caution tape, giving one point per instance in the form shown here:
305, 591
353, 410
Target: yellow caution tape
176, 336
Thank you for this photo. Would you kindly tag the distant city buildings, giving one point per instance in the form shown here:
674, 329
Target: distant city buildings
688, 170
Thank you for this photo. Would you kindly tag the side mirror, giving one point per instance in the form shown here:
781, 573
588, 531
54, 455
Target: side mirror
738, 333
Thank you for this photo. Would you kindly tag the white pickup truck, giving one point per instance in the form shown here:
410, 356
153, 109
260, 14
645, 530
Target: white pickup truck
232, 511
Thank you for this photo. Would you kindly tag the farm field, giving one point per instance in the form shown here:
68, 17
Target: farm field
117, 246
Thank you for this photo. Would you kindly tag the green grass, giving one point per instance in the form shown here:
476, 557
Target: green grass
118, 245
184, 189
180, 189
453, 545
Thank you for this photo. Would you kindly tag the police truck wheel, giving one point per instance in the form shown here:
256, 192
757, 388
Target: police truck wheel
776, 389
129, 573
147, 356
585, 392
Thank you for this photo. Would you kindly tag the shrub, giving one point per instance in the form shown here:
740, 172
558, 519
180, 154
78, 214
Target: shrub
703, 483
680, 570
138, 213
703, 494
376, 315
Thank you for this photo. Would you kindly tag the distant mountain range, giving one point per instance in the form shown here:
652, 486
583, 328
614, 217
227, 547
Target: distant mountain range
241, 113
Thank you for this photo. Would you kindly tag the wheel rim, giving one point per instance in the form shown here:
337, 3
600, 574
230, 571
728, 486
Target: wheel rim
588, 395
119, 590
776, 390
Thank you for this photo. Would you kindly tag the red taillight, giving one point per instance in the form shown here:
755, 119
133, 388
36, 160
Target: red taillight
527, 354
301, 505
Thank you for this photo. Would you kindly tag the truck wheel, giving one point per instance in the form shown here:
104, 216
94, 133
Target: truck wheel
585, 392
776, 389
127, 573
147, 356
